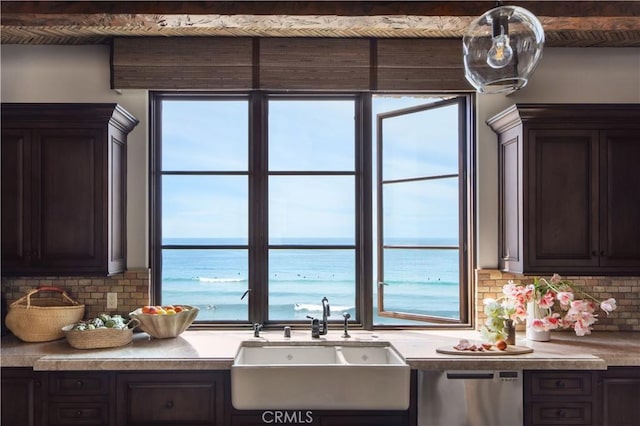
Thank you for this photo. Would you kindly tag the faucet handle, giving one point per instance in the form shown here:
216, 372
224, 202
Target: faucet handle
257, 327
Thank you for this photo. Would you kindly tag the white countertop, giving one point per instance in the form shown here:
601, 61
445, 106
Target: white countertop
215, 350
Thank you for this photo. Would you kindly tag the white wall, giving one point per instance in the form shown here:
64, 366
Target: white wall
81, 74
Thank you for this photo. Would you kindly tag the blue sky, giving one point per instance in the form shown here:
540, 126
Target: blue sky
305, 136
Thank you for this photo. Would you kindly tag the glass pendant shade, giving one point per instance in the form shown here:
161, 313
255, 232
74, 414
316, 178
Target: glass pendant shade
502, 49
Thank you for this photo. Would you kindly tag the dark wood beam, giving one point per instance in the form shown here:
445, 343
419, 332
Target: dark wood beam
566, 23
340, 8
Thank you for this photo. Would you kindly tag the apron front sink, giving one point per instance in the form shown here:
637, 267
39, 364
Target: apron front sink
319, 375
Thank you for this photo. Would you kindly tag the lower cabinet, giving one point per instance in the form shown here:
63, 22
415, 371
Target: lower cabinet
23, 392
145, 398
80, 398
559, 398
603, 398
171, 398
619, 396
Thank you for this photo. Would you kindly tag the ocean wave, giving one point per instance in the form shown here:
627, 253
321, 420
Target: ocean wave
318, 308
219, 280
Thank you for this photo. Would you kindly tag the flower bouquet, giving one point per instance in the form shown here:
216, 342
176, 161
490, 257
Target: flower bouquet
558, 302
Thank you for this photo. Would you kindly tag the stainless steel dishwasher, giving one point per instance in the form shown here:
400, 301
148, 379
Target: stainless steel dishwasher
470, 398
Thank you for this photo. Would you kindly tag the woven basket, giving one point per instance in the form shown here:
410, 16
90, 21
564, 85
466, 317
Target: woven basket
100, 337
40, 319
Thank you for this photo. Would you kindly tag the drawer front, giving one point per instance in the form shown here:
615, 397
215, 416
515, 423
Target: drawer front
78, 413
565, 384
171, 402
78, 384
561, 413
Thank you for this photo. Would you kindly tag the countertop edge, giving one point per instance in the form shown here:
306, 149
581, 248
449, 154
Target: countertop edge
215, 350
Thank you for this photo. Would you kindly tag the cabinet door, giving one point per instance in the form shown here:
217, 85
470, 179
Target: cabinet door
68, 183
16, 204
562, 192
620, 404
22, 394
170, 399
620, 200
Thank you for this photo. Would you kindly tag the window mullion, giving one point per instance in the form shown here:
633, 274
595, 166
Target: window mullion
364, 218
258, 268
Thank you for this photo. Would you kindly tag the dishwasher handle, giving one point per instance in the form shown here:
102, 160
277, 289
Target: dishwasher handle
470, 375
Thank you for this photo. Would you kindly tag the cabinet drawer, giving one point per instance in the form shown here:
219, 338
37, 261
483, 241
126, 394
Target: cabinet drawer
78, 384
184, 402
565, 384
561, 413
78, 413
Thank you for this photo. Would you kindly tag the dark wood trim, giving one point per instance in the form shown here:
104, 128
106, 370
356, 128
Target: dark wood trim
341, 8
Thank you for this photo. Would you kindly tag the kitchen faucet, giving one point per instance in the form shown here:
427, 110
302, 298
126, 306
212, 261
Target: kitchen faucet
346, 325
318, 329
326, 312
256, 329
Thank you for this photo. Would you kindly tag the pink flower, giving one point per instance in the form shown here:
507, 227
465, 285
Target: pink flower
553, 321
581, 328
547, 300
538, 324
556, 279
564, 297
521, 313
608, 305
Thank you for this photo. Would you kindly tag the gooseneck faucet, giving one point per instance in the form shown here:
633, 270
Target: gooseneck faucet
326, 312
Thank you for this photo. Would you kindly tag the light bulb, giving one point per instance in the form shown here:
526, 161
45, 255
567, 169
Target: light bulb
500, 53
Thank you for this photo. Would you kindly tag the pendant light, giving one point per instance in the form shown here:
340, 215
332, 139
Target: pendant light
502, 49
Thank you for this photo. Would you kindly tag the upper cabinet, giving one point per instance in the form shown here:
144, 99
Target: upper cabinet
64, 188
569, 188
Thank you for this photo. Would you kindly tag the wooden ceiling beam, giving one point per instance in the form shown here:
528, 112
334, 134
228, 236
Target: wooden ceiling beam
339, 8
566, 23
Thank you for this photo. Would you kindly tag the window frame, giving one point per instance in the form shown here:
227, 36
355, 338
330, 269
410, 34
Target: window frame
258, 174
462, 210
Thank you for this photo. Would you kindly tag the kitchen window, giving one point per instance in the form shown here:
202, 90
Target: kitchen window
264, 203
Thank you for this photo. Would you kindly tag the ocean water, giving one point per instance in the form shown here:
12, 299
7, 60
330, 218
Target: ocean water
417, 281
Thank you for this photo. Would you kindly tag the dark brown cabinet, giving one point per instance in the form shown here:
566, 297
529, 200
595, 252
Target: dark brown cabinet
23, 392
569, 191
171, 398
80, 398
64, 188
559, 398
619, 396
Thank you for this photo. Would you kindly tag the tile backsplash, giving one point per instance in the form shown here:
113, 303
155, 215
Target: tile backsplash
133, 291
131, 286
626, 291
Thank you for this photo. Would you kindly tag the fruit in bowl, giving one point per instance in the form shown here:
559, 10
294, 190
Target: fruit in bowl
164, 310
165, 321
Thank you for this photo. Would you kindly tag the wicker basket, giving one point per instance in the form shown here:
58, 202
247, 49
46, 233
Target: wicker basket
100, 338
40, 319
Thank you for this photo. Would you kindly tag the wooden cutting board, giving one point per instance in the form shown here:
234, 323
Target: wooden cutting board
511, 350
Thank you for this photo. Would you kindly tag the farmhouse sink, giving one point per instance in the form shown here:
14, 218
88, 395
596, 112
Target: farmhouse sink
319, 375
